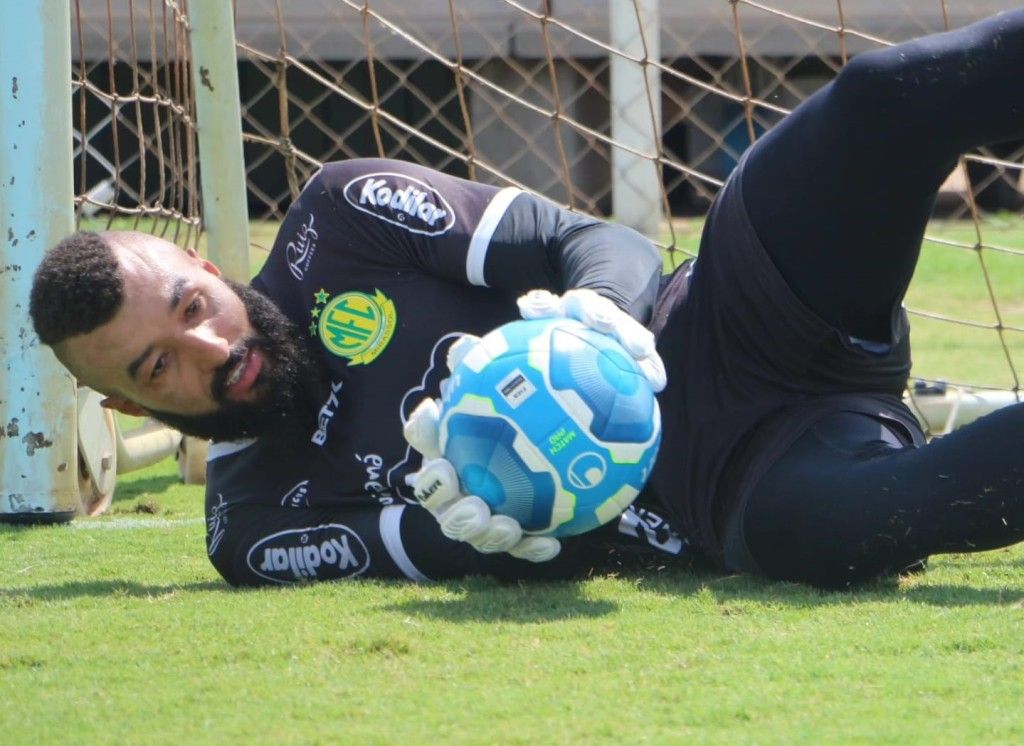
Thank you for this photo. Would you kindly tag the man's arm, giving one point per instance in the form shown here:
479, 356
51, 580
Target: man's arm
254, 544
539, 245
271, 519
271, 522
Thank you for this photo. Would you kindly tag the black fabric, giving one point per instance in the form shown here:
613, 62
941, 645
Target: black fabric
749, 368
842, 506
840, 192
812, 241
838, 508
259, 542
579, 252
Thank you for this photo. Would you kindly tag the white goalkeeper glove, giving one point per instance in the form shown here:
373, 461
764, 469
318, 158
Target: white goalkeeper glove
602, 315
463, 517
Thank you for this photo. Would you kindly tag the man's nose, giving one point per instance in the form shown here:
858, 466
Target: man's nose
209, 348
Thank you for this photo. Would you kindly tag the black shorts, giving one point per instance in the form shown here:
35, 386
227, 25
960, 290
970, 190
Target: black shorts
750, 368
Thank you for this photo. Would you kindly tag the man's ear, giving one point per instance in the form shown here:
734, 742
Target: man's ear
124, 406
206, 264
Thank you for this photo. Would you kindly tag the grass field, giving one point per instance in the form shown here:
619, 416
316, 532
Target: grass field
117, 630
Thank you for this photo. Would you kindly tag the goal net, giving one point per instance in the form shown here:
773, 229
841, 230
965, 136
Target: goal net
134, 120
534, 93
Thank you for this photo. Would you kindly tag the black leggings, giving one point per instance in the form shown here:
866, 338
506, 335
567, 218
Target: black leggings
840, 193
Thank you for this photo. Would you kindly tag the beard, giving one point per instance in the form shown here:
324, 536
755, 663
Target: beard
288, 392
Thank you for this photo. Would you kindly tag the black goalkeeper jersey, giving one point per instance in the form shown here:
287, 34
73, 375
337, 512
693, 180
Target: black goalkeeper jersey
383, 264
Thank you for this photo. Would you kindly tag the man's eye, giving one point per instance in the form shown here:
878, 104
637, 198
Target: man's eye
158, 367
193, 307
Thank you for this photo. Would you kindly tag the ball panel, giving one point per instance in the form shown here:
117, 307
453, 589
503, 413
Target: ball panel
487, 349
490, 464
612, 508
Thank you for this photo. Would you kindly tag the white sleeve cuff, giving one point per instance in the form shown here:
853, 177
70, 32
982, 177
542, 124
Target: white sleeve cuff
481, 239
391, 535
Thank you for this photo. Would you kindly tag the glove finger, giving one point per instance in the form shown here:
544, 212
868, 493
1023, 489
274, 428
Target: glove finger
466, 518
539, 304
459, 349
654, 371
593, 310
421, 430
601, 315
436, 485
536, 548
637, 339
501, 534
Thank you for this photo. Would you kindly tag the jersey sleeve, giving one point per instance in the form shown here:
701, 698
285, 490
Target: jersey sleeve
276, 517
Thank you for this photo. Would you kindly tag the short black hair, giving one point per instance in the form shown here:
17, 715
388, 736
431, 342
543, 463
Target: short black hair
78, 287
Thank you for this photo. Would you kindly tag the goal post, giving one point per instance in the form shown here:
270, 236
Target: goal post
635, 112
219, 127
100, 127
38, 477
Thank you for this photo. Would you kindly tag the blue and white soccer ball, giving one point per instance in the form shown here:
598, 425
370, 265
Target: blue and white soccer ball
550, 423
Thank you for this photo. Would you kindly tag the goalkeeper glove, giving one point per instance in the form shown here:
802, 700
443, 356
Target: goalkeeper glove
602, 315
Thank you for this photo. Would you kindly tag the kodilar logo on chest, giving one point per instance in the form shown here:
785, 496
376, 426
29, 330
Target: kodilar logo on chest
403, 201
354, 325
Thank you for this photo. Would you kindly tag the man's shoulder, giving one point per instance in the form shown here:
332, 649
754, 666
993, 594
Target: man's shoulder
226, 460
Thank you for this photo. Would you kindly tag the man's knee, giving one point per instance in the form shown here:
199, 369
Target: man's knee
872, 82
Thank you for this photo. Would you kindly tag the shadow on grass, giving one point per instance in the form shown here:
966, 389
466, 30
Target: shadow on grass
487, 600
482, 600
958, 595
726, 589
105, 588
131, 489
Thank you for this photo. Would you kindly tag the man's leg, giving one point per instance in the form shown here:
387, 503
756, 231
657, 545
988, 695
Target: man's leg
840, 191
842, 506
840, 194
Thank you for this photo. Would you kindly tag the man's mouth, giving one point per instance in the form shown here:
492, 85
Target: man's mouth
241, 379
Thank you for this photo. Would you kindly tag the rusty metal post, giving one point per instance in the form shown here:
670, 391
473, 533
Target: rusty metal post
38, 444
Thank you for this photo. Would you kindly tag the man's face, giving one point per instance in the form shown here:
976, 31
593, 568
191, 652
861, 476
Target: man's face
211, 357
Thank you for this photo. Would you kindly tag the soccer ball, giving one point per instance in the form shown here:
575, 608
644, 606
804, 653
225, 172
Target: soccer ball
550, 423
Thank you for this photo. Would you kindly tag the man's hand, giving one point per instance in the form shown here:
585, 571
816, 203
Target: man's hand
601, 315
463, 517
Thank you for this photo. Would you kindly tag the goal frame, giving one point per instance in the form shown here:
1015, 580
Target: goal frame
43, 415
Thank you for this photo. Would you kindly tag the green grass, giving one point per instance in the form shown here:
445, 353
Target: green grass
117, 630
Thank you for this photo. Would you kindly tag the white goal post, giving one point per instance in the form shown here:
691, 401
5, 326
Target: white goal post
37, 395
59, 451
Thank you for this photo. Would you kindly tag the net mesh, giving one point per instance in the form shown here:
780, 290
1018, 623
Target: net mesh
518, 92
135, 154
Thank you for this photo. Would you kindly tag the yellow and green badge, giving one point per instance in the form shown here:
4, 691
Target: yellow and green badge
354, 325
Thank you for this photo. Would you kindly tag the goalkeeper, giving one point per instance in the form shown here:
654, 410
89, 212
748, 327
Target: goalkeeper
786, 450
